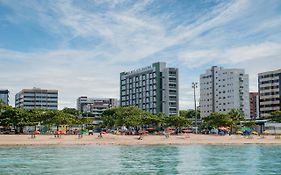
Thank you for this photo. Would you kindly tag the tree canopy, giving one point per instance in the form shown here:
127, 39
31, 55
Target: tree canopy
190, 114
135, 117
18, 118
275, 116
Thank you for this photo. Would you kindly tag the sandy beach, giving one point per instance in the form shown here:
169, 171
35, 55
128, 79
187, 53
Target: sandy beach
10, 140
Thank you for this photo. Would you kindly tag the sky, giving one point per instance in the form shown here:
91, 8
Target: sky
79, 47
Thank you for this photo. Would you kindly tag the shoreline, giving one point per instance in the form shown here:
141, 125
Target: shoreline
110, 139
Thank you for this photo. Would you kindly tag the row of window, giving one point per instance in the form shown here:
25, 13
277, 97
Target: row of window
270, 75
172, 86
44, 106
269, 93
269, 105
221, 110
269, 87
218, 104
148, 98
138, 93
39, 101
139, 89
140, 77
220, 92
141, 105
139, 84
269, 99
269, 81
38, 97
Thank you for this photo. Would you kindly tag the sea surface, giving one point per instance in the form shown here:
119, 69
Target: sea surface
112, 159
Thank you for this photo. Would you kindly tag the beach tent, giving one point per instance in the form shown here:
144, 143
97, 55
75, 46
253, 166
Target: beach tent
246, 129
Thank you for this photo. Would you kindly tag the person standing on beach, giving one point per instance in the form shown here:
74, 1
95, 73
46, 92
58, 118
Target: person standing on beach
100, 136
80, 134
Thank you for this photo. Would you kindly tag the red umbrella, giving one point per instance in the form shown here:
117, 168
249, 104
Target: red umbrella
61, 132
187, 130
36, 132
103, 132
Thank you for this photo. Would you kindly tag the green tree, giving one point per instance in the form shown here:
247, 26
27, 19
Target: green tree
71, 111
190, 114
129, 117
17, 118
177, 121
216, 119
275, 116
236, 116
151, 120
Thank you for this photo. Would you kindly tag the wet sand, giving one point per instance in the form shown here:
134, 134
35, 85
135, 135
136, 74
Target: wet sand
11, 140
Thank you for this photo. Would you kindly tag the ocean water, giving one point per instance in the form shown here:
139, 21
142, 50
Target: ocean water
112, 159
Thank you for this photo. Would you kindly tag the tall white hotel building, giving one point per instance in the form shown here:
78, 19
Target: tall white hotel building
224, 89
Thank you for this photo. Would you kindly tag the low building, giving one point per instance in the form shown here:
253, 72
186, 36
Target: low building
37, 98
95, 106
254, 105
4, 96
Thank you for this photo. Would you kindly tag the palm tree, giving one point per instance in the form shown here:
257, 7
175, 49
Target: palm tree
236, 115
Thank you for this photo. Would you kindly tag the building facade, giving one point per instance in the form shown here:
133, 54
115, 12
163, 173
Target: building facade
37, 98
269, 92
224, 89
4, 96
154, 89
95, 106
254, 105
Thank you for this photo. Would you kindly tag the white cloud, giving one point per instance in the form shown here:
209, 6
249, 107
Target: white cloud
235, 55
72, 72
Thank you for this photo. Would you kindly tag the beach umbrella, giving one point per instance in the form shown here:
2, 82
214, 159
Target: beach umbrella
255, 132
266, 132
61, 132
187, 131
239, 132
37, 132
103, 132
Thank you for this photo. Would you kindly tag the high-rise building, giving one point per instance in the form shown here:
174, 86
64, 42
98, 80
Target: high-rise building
37, 98
269, 92
95, 106
254, 105
4, 96
154, 89
224, 89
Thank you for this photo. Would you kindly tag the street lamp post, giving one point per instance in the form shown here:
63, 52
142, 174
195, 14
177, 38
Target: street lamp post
194, 86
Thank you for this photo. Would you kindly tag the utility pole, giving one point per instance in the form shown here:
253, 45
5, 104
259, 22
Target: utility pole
194, 86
